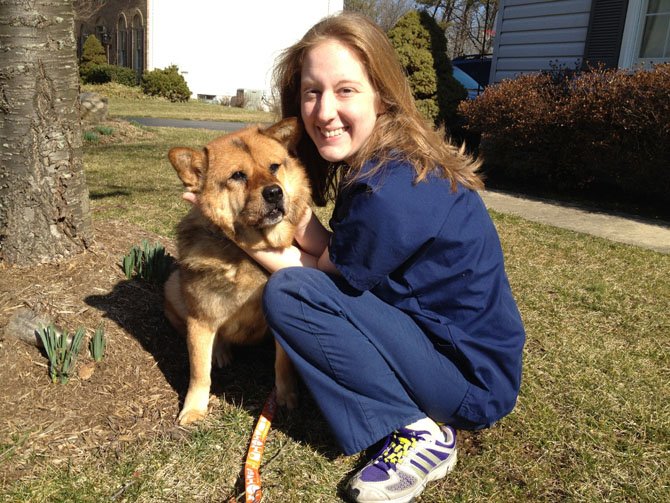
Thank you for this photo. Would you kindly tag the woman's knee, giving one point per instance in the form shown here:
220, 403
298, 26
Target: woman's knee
282, 295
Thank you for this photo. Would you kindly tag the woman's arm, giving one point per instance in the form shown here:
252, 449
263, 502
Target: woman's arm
311, 235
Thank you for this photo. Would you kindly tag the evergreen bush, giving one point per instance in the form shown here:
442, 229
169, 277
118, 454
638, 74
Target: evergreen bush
101, 74
422, 49
167, 82
93, 52
603, 129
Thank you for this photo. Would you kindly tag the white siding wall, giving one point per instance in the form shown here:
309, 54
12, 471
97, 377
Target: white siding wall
533, 34
227, 45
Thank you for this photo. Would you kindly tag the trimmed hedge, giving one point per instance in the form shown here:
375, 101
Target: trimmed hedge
167, 82
601, 129
101, 74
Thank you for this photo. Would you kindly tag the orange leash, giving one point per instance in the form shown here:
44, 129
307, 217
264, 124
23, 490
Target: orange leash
252, 477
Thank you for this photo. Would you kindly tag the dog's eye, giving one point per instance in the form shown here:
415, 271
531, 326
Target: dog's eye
239, 176
274, 168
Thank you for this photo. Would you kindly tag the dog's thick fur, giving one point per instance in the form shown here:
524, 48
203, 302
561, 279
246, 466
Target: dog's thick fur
250, 191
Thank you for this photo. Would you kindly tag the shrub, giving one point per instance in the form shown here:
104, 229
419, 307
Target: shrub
601, 129
101, 74
422, 49
116, 90
93, 53
167, 82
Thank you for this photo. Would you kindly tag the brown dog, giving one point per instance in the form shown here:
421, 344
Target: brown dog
250, 191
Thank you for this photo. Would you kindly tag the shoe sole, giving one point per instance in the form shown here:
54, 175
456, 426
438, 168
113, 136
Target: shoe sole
436, 474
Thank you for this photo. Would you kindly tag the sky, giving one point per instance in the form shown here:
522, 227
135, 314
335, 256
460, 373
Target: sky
227, 45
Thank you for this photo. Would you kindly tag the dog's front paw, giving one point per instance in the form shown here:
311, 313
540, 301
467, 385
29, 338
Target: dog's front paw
195, 406
191, 416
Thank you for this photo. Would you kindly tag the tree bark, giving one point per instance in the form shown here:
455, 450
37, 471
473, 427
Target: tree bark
44, 206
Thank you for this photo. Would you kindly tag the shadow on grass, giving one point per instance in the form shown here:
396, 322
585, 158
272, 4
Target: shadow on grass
110, 193
137, 307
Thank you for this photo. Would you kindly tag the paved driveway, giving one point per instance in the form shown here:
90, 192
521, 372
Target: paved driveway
182, 123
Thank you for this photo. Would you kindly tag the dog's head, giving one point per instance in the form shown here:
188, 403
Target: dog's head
248, 184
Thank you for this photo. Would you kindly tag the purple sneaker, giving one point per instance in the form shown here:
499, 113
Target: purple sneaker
409, 460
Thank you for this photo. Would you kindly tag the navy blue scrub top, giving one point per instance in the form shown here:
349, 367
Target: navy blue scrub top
435, 254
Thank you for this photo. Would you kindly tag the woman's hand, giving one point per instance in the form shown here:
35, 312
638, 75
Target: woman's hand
191, 197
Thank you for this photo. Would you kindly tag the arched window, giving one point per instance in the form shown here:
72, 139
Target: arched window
122, 42
138, 45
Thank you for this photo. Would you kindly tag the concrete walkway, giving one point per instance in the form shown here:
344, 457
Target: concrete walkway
622, 229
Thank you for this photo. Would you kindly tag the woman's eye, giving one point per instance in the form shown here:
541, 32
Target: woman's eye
274, 168
239, 176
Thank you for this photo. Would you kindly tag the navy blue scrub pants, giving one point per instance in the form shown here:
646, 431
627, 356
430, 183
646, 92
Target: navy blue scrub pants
369, 367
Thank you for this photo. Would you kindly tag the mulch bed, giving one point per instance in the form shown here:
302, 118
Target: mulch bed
133, 393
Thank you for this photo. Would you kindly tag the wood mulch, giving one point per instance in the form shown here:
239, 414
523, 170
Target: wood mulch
132, 394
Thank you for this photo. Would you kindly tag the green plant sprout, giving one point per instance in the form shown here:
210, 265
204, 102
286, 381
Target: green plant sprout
91, 136
98, 343
104, 130
62, 356
148, 262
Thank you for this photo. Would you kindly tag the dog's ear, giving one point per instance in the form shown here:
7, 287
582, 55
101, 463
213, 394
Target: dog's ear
287, 132
188, 164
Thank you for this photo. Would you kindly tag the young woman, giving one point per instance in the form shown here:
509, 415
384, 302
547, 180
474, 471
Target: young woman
400, 321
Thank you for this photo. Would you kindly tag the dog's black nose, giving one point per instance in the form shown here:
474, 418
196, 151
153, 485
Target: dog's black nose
272, 193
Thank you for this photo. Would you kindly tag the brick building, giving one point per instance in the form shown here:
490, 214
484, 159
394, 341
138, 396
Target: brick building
121, 26
220, 48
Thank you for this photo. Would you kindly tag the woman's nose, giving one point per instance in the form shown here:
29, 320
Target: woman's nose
327, 107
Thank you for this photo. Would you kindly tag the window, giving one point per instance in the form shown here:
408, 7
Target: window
646, 38
138, 45
122, 42
655, 42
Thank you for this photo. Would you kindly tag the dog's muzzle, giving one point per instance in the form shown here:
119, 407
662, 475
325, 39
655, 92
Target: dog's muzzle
274, 197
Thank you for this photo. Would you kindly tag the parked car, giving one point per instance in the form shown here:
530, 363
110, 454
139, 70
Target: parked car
476, 66
471, 85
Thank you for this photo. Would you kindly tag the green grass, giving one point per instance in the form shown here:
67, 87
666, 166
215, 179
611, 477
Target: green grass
136, 182
592, 422
130, 102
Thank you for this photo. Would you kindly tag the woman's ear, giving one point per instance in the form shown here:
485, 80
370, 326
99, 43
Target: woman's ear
380, 106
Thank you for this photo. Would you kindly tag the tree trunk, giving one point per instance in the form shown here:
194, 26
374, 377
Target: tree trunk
44, 207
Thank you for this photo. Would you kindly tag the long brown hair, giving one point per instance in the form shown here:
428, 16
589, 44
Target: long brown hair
400, 131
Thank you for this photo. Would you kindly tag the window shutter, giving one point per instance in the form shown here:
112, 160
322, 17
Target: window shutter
603, 39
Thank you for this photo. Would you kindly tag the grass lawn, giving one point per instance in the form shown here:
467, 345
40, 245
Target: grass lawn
130, 102
592, 422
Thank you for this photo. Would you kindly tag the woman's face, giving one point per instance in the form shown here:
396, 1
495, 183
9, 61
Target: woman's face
338, 104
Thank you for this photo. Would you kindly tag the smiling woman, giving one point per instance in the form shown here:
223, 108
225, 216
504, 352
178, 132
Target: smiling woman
339, 106
392, 331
